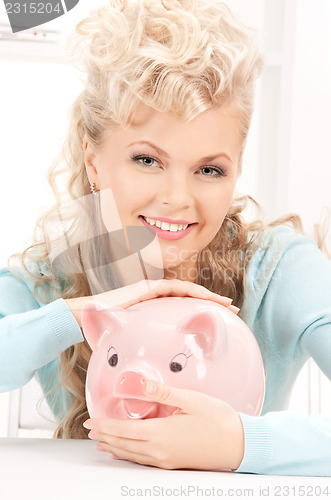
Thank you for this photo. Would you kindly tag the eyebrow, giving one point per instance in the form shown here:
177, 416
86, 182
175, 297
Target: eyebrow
165, 154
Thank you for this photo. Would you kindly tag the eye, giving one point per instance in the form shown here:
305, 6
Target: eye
178, 362
144, 160
112, 357
213, 172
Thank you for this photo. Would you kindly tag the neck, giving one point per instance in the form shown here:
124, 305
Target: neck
185, 271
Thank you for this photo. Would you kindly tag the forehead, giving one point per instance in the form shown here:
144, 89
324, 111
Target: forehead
215, 127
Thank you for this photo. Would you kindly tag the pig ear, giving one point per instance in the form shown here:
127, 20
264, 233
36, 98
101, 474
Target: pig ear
99, 318
209, 330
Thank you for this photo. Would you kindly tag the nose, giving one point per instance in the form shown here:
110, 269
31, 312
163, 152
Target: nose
129, 384
175, 189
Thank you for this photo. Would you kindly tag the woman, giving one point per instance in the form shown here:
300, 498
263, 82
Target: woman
158, 135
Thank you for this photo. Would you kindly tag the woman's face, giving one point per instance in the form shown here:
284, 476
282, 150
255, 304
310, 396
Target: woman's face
178, 176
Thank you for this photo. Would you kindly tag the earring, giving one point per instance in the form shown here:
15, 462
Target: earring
93, 188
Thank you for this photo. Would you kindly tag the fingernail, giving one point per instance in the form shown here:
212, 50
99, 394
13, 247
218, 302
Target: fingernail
101, 448
92, 435
227, 300
235, 309
150, 387
87, 424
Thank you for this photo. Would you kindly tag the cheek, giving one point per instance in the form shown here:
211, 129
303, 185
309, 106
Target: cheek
127, 197
129, 188
217, 207
117, 183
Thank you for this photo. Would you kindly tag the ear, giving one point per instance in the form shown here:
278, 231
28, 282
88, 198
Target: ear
98, 318
89, 160
210, 332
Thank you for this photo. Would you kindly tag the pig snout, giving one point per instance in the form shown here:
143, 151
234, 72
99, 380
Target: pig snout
129, 384
129, 388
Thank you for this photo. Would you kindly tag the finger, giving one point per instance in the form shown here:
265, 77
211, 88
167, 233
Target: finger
174, 287
234, 309
127, 294
129, 445
128, 429
145, 290
127, 455
186, 288
189, 401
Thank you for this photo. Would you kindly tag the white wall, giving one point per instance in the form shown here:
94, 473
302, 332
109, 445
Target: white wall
34, 98
37, 86
309, 180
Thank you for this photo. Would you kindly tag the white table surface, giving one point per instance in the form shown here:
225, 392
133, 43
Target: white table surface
73, 469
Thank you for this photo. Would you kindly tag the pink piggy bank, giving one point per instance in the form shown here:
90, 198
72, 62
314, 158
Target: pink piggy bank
178, 341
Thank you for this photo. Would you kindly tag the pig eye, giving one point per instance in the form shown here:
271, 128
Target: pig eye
178, 362
112, 357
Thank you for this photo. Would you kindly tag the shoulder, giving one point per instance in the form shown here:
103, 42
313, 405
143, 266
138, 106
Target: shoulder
280, 246
25, 274
16, 293
18, 282
284, 265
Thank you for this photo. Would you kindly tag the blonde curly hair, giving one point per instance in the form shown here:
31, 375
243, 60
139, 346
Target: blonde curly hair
182, 56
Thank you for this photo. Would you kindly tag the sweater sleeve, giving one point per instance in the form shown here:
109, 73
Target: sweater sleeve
296, 311
30, 336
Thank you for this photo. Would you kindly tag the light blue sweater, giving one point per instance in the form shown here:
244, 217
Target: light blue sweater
287, 305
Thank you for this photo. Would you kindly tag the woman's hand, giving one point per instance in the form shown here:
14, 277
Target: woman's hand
205, 433
129, 295
152, 289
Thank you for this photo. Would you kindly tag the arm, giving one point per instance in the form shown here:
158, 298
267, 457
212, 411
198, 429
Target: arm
287, 443
30, 335
293, 322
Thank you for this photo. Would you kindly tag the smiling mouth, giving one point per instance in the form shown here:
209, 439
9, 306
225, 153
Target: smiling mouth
165, 226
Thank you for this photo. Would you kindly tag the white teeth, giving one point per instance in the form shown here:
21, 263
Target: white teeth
165, 226
150, 221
